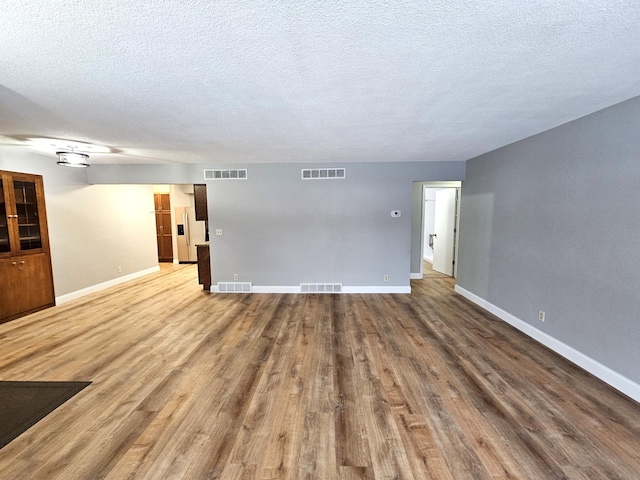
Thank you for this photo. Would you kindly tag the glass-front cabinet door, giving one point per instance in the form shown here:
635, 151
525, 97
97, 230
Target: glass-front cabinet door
22, 215
27, 211
5, 242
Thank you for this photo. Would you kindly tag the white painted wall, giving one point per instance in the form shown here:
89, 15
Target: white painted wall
93, 229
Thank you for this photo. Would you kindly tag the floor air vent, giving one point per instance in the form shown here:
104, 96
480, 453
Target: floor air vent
238, 174
235, 287
320, 288
323, 173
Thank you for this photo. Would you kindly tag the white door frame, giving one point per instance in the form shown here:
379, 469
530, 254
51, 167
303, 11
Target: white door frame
443, 184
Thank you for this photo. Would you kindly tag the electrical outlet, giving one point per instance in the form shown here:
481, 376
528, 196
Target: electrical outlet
235, 276
219, 232
541, 315
386, 278
119, 269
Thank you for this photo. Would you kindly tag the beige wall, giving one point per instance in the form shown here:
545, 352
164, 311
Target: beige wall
93, 229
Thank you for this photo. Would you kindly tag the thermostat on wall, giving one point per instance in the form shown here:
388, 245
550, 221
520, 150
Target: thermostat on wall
396, 213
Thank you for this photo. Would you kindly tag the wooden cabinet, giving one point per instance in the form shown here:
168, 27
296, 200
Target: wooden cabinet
204, 266
202, 250
200, 195
163, 227
26, 280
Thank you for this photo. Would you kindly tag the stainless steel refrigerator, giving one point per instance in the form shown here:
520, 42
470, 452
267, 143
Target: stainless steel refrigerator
190, 233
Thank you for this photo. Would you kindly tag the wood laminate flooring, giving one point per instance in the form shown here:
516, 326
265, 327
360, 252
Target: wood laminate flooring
188, 385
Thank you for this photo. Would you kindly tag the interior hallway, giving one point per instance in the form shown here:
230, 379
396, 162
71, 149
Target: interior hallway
191, 385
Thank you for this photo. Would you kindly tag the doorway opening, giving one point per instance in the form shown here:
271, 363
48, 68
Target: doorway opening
440, 214
177, 229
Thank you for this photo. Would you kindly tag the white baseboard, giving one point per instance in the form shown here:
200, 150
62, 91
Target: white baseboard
604, 373
377, 289
101, 286
416, 276
275, 289
296, 289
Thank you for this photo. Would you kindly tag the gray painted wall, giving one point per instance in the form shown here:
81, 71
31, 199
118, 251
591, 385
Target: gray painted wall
417, 209
280, 230
553, 223
93, 229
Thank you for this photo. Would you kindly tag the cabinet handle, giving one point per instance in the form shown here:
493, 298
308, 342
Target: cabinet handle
22, 262
13, 263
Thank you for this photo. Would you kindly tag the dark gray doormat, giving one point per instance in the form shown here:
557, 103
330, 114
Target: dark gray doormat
23, 404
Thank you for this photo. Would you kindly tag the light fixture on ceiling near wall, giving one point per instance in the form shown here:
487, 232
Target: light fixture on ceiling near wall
73, 159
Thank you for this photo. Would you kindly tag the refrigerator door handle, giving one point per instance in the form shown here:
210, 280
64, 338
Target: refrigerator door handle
186, 228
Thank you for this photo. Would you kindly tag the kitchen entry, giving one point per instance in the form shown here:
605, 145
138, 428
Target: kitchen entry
183, 216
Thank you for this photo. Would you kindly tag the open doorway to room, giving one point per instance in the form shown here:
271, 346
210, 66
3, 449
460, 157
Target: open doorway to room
440, 234
182, 227
436, 219
177, 228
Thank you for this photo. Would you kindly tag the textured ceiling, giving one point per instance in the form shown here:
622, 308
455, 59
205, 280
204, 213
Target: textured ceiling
301, 81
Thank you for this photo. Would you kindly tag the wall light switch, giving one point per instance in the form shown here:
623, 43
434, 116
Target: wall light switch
219, 232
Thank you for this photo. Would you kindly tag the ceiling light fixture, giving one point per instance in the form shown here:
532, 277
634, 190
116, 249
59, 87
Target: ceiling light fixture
45, 144
73, 159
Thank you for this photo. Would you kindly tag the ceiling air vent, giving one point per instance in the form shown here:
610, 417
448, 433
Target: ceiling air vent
237, 174
323, 173
320, 288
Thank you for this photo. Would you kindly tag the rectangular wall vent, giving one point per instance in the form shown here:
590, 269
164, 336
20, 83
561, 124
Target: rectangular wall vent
320, 288
234, 287
237, 174
323, 173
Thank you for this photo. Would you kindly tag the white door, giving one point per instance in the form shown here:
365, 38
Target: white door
444, 231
